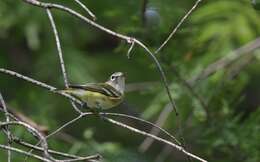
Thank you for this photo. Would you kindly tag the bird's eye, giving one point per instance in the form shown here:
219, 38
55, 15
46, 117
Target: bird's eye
113, 77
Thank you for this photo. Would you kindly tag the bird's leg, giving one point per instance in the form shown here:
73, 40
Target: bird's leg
84, 105
99, 111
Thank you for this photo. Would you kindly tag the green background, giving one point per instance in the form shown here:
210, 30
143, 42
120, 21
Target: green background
226, 129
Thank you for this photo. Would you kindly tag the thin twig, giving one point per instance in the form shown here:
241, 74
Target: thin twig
38, 83
178, 26
41, 84
25, 153
58, 45
144, 121
7, 129
28, 145
59, 129
155, 137
130, 50
86, 9
64, 125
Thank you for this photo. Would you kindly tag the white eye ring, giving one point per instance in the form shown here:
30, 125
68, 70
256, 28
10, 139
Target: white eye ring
113, 77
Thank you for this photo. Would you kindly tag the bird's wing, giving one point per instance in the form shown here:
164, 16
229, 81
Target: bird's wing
102, 88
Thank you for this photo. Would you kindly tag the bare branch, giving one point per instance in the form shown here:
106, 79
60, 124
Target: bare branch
130, 50
8, 131
180, 148
38, 83
86, 9
64, 125
15, 74
24, 152
146, 122
178, 26
58, 45
28, 145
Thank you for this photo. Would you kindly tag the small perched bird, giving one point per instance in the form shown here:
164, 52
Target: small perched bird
100, 95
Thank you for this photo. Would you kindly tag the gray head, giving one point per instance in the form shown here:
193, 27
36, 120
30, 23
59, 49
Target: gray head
117, 80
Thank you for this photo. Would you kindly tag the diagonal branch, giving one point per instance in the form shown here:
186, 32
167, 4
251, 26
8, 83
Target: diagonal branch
86, 9
28, 145
40, 84
180, 148
178, 26
7, 129
25, 153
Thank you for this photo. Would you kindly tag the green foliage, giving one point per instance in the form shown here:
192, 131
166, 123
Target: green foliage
226, 129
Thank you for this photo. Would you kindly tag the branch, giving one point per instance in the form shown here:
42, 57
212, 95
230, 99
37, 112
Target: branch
40, 84
86, 9
25, 153
180, 148
178, 26
58, 45
28, 145
7, 129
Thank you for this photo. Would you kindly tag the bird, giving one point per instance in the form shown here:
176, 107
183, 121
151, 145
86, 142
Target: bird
100, 96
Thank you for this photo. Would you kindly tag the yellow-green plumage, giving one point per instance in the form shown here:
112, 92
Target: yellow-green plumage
94, 99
